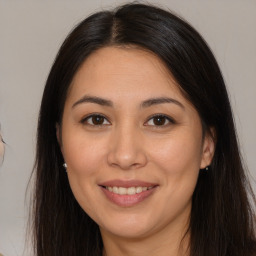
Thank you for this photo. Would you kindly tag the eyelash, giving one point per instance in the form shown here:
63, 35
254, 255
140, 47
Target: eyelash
165, 119
85, 120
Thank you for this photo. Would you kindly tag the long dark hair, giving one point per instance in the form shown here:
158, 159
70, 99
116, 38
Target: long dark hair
221, 222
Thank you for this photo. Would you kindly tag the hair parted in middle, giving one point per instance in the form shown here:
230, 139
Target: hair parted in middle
221, 220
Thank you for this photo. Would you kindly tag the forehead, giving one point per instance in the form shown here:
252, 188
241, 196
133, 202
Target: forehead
115, 71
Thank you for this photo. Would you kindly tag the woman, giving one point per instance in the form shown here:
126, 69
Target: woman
136, 110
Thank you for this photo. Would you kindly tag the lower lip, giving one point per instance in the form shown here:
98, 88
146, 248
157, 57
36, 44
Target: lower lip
127, 200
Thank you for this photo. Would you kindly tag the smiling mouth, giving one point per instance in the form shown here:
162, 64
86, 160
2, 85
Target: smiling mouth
128, 196
127, 191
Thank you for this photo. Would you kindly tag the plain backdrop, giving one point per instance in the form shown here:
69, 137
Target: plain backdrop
31, 33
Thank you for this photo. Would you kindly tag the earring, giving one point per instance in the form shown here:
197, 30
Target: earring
65, 166
207, 168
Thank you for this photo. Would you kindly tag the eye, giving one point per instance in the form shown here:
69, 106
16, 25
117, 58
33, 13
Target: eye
95, 120
159, 120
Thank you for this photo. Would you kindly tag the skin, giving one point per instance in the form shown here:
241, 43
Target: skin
1, 150
130, 144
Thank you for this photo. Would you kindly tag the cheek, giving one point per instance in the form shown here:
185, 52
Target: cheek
84, 165
177, 153
178, 159
178, 163
82, 154
84, 159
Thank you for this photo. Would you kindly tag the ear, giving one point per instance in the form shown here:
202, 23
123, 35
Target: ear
208, 148
58, 134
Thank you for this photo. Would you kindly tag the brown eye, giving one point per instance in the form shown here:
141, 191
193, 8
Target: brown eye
159, 120
96, 120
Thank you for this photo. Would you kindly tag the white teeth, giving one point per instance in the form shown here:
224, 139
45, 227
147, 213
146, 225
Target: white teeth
122, 191
138, 190
127, 191
131, 191
115, 190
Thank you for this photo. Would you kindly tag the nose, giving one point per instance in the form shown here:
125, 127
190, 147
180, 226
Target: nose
126, 149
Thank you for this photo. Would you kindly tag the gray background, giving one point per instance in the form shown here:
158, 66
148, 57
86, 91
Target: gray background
31, 33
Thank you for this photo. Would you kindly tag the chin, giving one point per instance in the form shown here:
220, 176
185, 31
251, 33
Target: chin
132, 227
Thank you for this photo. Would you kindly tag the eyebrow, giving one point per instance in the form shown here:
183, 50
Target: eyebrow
161, 100
144, 104
93, 99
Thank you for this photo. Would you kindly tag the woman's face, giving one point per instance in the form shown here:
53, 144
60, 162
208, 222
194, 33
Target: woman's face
132, 143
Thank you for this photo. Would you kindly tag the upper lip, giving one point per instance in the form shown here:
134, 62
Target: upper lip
127, 183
